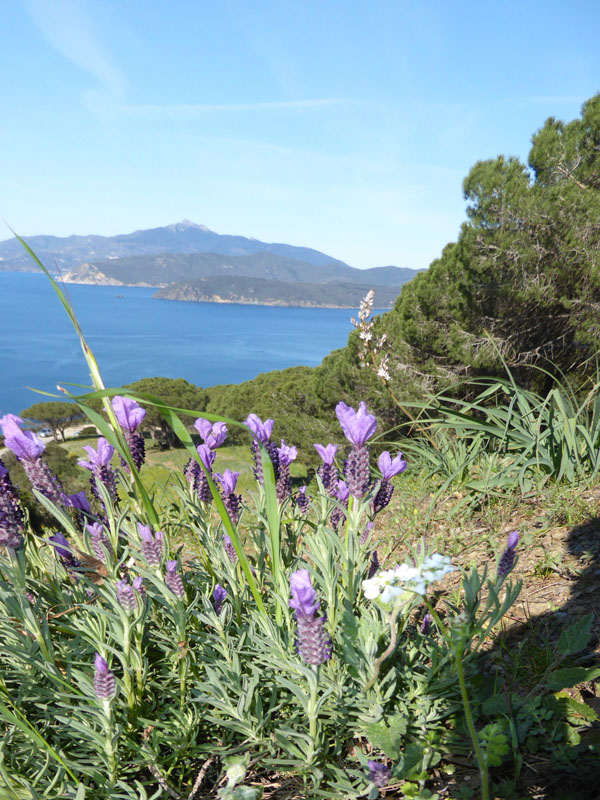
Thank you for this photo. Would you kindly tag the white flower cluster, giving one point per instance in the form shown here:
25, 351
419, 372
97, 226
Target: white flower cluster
405, 579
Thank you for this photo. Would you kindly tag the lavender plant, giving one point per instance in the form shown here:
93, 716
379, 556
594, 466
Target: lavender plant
176, 644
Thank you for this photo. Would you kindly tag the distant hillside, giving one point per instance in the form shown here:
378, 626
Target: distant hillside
183, 237
256, 291
167, 268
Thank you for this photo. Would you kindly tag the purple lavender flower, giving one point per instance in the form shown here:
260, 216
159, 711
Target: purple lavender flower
365, 534
152, 546
302, 499
426, 624
80, 502
507, 559
285, 455
213, 434
341, 495
24, 444
129, 414
313, 643
229, 549
374, 565
11, 514
28, 449
219, 596
105, 684
261, 430
357, 471
388, 467
196, 475
379, 774
328, 472
262, 433
173, 580
126, 596
99, 466
63, 550
358, 426
232, 501
138, 585
327, 453
100, 542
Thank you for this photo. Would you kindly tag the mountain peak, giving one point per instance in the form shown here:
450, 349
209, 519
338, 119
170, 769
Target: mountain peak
186, 224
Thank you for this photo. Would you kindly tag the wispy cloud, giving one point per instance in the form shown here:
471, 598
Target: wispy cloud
69, 29
193, 109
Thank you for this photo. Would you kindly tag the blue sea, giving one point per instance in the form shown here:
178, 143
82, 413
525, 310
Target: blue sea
134, 336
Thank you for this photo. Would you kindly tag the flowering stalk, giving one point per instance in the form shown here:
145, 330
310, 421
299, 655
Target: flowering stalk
313, 643
28, 449
100, 468
105, 688
11, 514
130, 415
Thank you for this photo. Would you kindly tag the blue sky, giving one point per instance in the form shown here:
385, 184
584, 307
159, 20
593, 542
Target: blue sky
343, 126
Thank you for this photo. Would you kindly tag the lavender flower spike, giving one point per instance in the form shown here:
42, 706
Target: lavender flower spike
100, 542
313, 643
28, 449
378, 773
389, 467
358, 426
228, 481
229, 548
105, 685
130, 415
11, 514
328, 472
174, 581
99, 466
126, 596
507, 559
219, 596
151, 545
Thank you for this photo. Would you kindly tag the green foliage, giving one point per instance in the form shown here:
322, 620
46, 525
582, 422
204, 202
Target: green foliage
525, 270
509, 437
56, 414
175, 392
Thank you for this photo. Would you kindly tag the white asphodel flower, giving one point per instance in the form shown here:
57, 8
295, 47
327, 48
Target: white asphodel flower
406, 579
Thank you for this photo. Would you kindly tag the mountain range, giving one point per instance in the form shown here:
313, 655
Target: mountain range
185, 253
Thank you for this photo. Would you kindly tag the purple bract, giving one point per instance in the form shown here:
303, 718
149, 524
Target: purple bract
304, 598
98, 458
358, 426
390, 466
213, 434
327, 453
261, 430
129, 414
